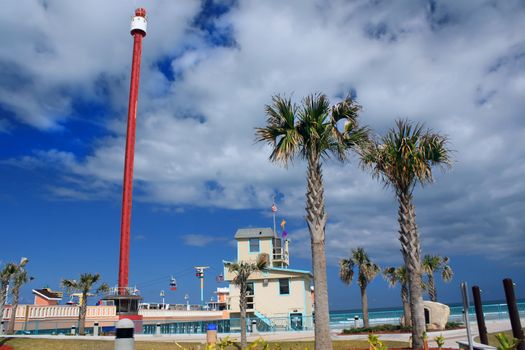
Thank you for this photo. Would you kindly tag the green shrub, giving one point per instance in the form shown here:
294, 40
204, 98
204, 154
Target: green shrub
378, 328
440, 340
375, 343
505, 343
453, 325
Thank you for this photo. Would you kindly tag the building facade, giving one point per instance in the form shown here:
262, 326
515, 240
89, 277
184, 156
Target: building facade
278, 298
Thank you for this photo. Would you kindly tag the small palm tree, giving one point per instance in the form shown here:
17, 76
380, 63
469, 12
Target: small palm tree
432, 264
242, 271
399, 275
403, 158
312, 133
84, 285
19, 279
367, 271
8, 270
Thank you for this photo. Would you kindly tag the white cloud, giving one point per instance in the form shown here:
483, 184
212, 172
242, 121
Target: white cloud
457, 67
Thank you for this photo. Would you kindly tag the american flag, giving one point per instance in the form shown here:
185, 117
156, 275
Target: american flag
274, 208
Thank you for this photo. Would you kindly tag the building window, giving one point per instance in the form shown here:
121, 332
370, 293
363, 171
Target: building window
284, 286
250, 290
254, 245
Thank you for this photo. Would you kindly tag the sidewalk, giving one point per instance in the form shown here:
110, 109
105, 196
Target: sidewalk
450, 336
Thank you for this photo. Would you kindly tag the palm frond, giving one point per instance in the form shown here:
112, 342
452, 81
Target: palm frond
447, 273
7, 271
391, 276
69, 285
103, 288
280, 131
346, 270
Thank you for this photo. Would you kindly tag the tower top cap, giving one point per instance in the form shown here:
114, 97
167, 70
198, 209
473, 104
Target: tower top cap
140, 12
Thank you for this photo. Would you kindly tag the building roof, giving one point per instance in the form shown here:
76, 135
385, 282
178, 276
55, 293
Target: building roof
264, 232
280, 269
305, 272
48, 294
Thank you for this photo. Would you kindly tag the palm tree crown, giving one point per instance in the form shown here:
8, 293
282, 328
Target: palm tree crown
84, 284
432, 264
395, 275
406, 155
367, 270
312, 129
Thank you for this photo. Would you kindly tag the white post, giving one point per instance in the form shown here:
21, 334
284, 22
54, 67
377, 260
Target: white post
356, 321
2, 327
157, 329
124, 335
73, 330
466, 306
95, 329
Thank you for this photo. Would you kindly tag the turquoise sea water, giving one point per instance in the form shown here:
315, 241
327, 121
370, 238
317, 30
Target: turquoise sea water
492, 310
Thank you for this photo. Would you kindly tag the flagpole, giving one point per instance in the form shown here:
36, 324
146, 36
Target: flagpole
274, 210
274, 227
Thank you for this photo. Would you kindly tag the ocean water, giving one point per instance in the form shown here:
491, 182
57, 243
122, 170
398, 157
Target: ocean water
492, 310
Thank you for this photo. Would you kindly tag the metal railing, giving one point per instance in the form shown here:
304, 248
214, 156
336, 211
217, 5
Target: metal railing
232, 325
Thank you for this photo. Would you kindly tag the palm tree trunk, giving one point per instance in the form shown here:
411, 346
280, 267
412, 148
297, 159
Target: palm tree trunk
316, 219
82, 315
364, 305
406, 305
14, 306
410, 247
432, 287
242, 307
3, 297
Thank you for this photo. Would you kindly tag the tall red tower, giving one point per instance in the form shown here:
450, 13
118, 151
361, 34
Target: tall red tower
126, 299
138, 31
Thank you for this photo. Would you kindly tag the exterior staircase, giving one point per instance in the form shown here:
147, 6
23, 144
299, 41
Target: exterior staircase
264, 324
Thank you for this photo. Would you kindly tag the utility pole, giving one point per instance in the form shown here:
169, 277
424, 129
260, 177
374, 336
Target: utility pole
200, 274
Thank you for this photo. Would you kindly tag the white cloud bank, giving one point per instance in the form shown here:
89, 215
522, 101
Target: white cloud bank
457, 66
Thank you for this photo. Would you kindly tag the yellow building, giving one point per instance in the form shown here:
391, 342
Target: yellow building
279, 298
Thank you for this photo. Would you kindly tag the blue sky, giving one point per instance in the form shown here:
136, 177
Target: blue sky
208, 69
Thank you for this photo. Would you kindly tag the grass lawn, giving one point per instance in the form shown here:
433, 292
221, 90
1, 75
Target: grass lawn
492, 337
66, 344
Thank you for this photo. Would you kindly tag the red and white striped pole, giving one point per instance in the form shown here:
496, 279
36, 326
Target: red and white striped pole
138, 31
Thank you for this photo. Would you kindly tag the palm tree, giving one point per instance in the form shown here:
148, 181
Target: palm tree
84, 285
399, 275
6, 273
404, 157
367, 271
19, 278
242, 271
432, 264
311, 133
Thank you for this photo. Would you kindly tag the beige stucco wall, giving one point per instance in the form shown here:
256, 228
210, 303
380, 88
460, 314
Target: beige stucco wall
243, 249
271, 303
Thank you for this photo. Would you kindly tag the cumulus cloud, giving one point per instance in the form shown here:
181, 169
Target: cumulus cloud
457, 66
